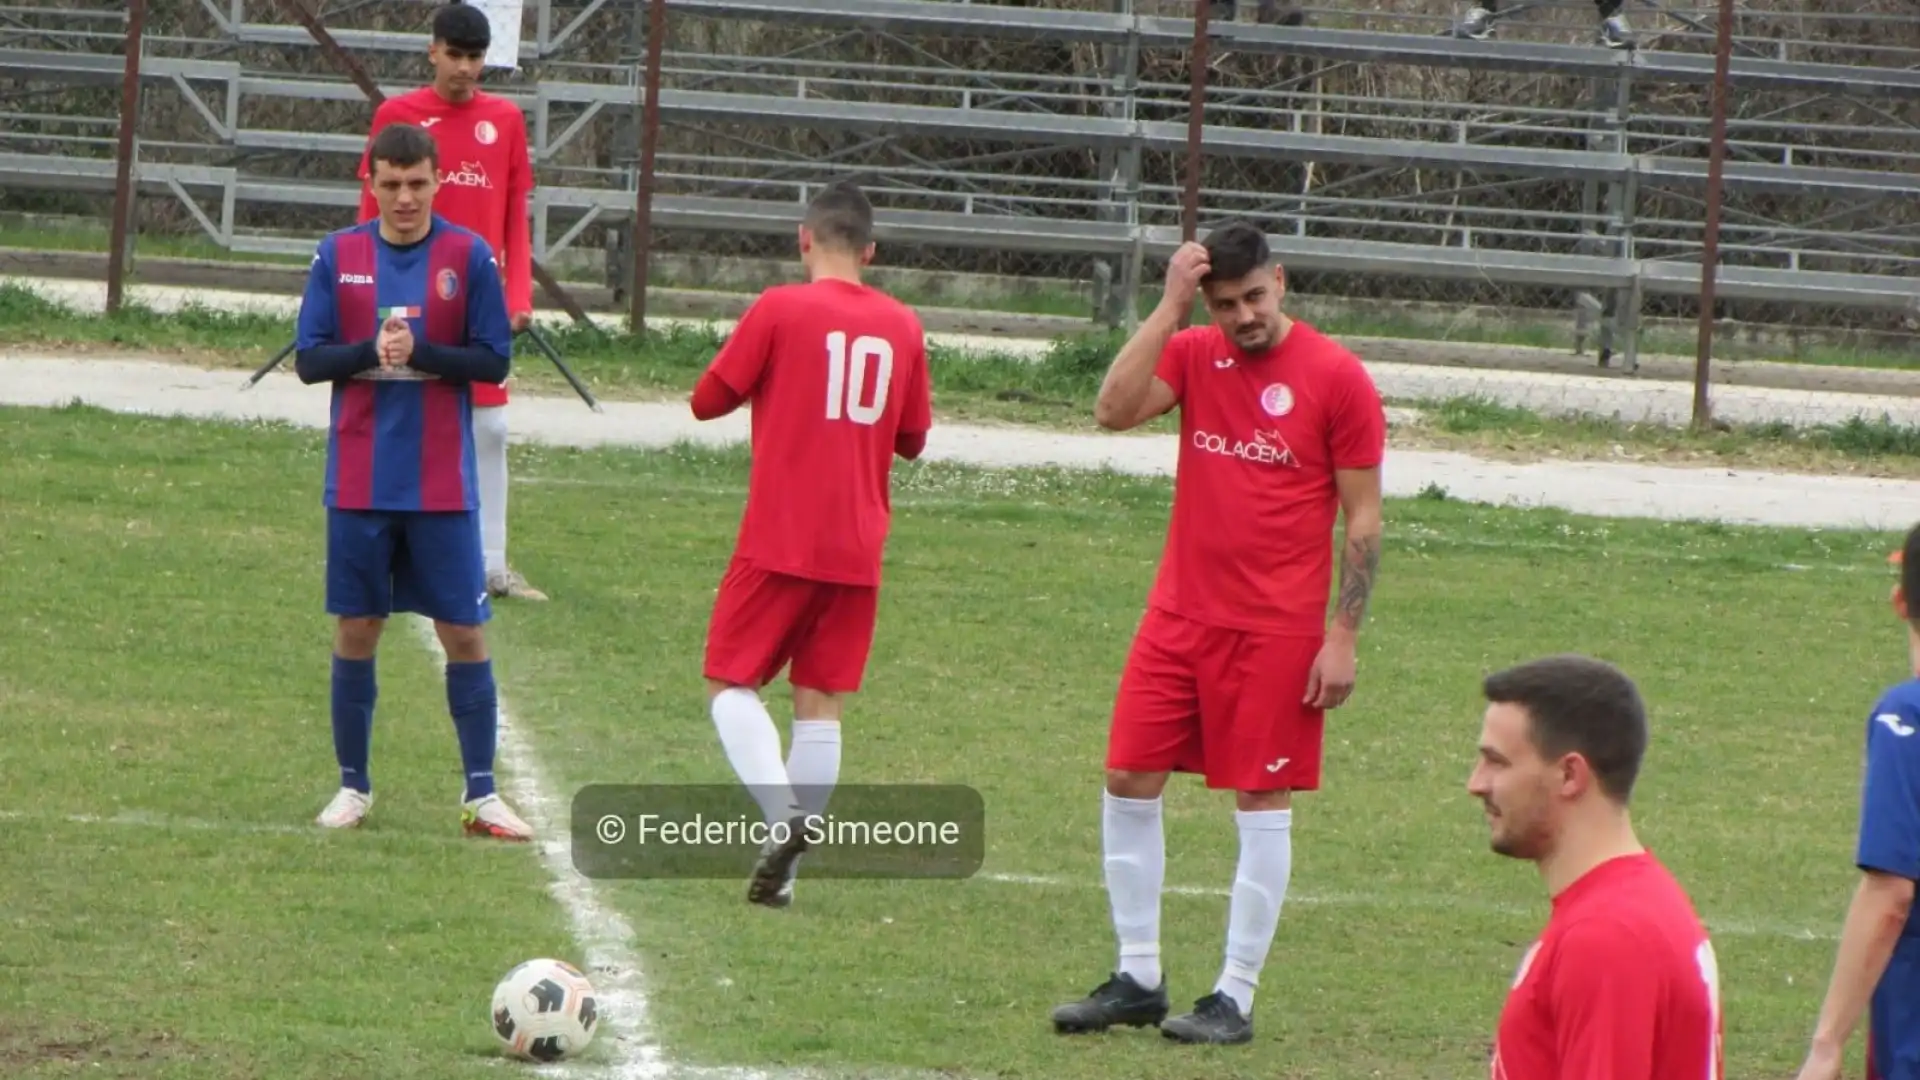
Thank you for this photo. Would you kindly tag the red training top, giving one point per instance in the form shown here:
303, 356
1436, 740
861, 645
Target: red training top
837, 374
1622, 985
486, 176
1250, 545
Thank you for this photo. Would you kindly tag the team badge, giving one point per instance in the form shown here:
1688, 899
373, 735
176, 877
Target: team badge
1276, 399
485, 132
448, 283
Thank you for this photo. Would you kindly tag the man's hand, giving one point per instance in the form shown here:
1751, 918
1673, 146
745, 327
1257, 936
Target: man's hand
396, 342
522, 320
1184, 271
1823, 1063
1333, 675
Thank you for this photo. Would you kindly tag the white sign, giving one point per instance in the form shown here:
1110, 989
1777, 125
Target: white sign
503, 16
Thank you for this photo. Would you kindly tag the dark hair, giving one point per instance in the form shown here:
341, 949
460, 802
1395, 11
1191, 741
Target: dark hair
1234, 250
402, 145
1579, 705
1910, 574
465, 28
841, 217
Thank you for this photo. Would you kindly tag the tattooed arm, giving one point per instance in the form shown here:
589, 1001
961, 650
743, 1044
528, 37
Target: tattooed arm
1360, 551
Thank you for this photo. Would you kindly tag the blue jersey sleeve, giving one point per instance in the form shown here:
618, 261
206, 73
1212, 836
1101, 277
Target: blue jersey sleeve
488, 323
1890, 794
318, 321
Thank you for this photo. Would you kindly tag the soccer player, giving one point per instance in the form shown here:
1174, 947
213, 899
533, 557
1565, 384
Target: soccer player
1622, 984
485, 180
401, 317
837, 375
1876, 973
1233, 665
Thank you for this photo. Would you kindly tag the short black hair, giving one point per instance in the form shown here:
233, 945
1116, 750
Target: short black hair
402, 145
1910, 574
463, 27
1234, 250
841, 217
1577, 704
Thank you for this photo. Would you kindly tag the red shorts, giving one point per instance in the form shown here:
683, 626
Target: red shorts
762, 621
489, 395
1224, 703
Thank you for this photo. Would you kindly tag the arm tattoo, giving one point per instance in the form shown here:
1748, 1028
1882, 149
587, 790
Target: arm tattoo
1359, 562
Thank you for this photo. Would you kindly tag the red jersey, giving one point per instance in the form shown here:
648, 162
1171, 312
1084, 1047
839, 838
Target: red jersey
1622, 985
835, 371
1250, 546
486, 176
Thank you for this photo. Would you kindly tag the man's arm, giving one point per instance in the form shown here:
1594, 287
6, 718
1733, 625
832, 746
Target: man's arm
916, 418
729, 380
1875, 919
317, 357
519, 231
488, 355
1360, 552
1133, 391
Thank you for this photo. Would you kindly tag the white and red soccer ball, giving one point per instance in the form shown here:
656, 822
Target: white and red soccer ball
545, 1011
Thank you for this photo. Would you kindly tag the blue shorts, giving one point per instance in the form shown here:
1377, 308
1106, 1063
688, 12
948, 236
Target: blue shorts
1893, 1026
383, 561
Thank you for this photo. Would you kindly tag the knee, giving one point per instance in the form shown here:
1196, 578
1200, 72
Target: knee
809, 704
1256, 801
357, 638
1127, 784
463, 644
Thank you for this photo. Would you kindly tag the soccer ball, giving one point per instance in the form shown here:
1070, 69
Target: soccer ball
544, 1011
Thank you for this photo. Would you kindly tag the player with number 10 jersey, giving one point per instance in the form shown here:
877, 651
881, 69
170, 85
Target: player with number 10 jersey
837, 375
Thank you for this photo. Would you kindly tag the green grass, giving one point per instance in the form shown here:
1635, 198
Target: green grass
166, 664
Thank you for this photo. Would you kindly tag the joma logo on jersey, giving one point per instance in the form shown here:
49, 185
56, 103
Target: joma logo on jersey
356, 279
1265, 448
470, 174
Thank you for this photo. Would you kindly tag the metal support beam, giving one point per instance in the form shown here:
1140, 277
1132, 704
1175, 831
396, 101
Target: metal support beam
649, 148
124, 197
1710, 252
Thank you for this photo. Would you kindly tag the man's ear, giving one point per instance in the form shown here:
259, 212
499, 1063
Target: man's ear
1899, 600
866, 255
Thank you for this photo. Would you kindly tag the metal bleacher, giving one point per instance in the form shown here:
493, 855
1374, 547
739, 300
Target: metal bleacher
1611, 154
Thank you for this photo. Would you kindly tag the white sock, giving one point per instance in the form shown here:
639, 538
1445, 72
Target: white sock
753, 748
813, 767
1135, 846
1259, 890
490, 455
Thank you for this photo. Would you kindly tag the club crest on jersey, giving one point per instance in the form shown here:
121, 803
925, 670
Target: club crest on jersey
1276, 399
485, 133
448, 283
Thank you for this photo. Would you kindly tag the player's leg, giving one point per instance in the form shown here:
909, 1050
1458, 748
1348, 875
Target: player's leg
829, 663
1154, 731
440, 572
1614, 31
490, 455
359, 596
1263, 744
750, 637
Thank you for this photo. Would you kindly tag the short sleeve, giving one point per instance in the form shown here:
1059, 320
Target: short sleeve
1890, 794
1357, 421
1606, 1003
916, 414
743, 359
317, 323
1174, 361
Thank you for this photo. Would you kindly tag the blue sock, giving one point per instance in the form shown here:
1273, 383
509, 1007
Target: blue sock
475, 705
354, 692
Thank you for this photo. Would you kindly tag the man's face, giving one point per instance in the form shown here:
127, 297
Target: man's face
456, 71
1248, 310
1519, 789
404, 194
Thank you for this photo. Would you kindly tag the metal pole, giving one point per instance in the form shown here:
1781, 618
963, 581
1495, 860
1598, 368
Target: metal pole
649, 143
1710, 246
1196, 109
123, 203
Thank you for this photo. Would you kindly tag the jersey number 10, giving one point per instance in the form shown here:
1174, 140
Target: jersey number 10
848, 369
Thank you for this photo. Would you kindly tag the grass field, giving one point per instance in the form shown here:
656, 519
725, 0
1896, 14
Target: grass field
170, 913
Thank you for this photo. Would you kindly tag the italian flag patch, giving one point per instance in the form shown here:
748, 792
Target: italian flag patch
402, 312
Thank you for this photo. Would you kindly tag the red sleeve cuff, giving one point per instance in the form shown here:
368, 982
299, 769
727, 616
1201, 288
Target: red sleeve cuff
909, 444
713, 398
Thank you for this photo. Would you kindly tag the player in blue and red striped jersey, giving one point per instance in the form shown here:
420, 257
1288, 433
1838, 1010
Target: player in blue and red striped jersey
1876, 972
402, 315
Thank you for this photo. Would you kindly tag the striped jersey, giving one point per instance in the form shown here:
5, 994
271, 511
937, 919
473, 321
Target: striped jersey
400, 439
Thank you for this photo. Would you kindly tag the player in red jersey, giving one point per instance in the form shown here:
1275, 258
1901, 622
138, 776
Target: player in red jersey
1233, 664
486, 177
837, 375
1622, 984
